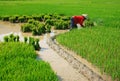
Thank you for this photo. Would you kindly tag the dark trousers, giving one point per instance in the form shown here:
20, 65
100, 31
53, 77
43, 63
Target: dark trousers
72, 25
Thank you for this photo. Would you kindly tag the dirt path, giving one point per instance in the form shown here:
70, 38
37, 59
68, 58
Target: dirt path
63, 69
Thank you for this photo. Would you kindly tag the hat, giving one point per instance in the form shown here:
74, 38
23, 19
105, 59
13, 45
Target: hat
85, 15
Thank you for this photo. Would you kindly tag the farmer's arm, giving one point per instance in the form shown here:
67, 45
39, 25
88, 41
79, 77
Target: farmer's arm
81, 20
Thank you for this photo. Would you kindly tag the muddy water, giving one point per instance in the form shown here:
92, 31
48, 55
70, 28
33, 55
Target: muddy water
7, 28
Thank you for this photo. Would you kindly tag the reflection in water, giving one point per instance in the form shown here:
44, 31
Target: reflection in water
38, 58
43, 49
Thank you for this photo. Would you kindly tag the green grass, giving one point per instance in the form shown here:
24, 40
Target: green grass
98, 45
18, 63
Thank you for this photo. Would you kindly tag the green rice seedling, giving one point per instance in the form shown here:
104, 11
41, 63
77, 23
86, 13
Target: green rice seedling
58, 25
51, 15
31, 21
6, 38
61, 24
12, 19
27, 27
42, 16
37, 46
5, 18
25, 39
28, 18
19, 64
11, 38
89, 23
48, 28
47, 17
50, 22
65, 25
16, 16
34, 42
36, 23
41, 28
31, 41
34, 32
14, 38
34, 26
38, 29
17, 38
37, 17
58, 17
22, 19
11, 35
65, 18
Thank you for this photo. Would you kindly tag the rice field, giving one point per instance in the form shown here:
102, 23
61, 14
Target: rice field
103, 12
18, 63
99, 45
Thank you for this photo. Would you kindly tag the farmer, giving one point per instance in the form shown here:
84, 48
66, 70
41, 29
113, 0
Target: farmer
78, 21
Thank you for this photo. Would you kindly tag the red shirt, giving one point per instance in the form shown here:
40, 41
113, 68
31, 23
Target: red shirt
78, 20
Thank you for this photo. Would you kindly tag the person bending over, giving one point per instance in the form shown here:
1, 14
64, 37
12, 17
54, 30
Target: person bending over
77, 21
